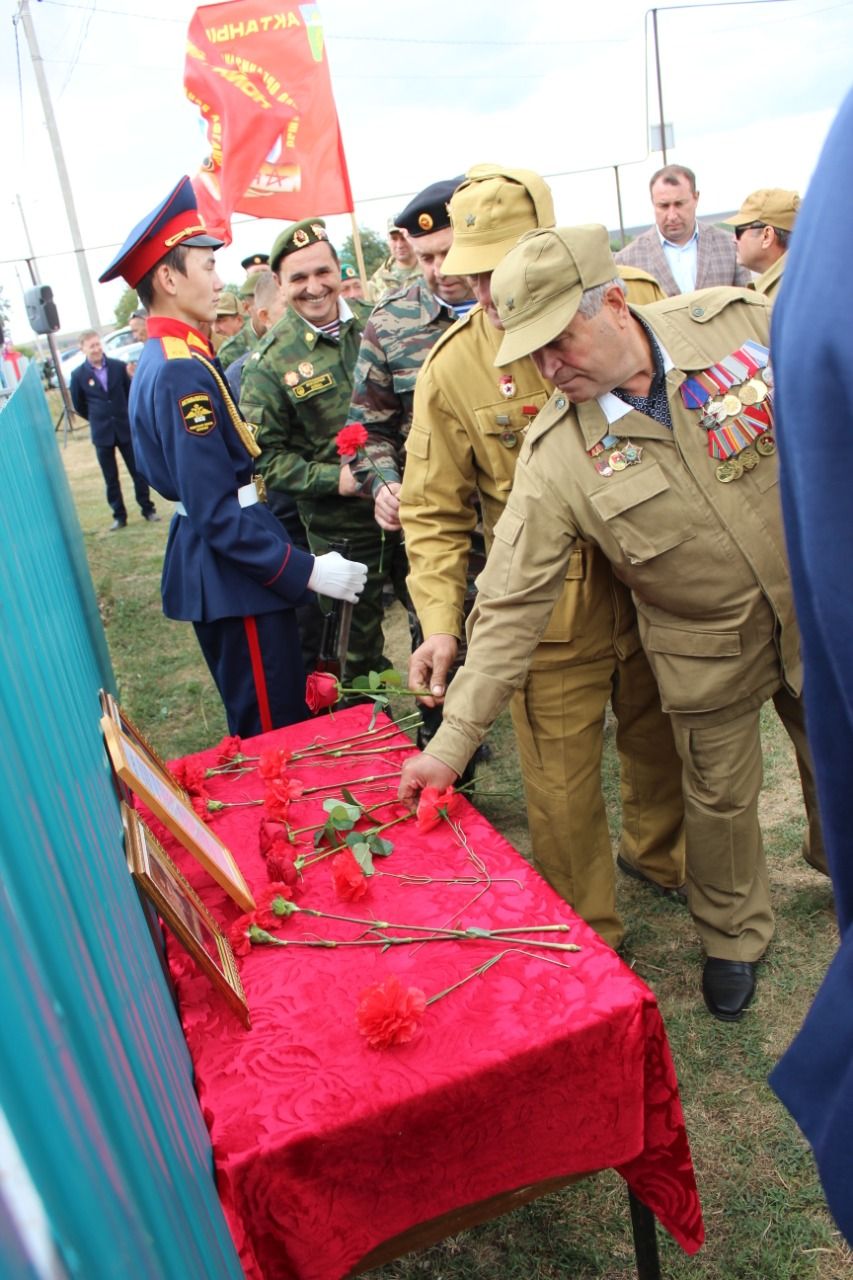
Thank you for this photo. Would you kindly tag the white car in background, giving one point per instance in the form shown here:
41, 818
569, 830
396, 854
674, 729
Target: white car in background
118, 345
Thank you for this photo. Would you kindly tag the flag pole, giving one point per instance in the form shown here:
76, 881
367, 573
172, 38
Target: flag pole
359, 254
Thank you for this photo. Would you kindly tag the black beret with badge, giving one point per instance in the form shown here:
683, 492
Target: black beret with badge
428, 211
297, 236
255, 260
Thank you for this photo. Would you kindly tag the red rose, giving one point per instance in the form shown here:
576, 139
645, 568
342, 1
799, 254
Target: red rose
228, 748
433, 805
281, 865
321, 690
269, 833
387, 1014
273, 764
348, 878
350, 439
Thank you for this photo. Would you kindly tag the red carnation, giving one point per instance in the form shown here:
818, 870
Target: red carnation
199, 803
433, 805
348, 878
190, 775
389, 1014
273, 764
350, 439
321, 690
228, 748
238, 935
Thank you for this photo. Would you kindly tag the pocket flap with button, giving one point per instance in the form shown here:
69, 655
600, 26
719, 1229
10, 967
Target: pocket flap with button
693, 644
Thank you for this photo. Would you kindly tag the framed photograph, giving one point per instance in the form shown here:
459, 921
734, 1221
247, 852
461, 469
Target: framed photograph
123, 722
180, 907
171, 805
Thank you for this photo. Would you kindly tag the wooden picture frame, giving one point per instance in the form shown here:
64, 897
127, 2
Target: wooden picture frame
123, 722
169, 803
177, 903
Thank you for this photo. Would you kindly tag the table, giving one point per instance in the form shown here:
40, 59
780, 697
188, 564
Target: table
534, 1071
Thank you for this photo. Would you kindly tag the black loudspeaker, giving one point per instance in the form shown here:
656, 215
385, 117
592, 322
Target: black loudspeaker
41, 309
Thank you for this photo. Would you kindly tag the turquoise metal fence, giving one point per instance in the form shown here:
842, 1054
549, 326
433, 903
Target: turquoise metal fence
95, 1079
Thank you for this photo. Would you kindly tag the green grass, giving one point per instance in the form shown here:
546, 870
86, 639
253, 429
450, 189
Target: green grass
764, 1212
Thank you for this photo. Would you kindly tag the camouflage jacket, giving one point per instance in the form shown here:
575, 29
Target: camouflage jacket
237, 345
296, 389
390, 278
396, 341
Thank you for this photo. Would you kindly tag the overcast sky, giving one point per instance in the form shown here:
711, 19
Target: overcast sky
423, 92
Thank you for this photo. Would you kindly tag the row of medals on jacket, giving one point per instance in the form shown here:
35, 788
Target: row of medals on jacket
715, 413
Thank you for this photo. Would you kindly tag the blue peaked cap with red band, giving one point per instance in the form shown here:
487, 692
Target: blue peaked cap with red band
176, 220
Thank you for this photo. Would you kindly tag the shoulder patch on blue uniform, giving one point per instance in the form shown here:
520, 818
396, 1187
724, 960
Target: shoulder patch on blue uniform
175, 348
198, 413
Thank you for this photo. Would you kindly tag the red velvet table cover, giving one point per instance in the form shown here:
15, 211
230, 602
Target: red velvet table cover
323, 1147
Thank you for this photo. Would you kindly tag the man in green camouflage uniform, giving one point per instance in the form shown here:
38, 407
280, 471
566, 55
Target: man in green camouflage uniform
235, 327
296, 389
400, 268
397, 338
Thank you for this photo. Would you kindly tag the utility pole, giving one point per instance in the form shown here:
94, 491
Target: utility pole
26, 21
660, 86
67, 414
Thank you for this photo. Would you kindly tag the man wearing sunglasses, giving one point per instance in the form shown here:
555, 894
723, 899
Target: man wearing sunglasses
763, 228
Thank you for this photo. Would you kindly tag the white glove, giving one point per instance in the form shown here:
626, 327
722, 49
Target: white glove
334, 576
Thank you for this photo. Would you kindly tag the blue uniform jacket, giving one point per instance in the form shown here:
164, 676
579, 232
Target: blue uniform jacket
106, 411
222, 560
813, 367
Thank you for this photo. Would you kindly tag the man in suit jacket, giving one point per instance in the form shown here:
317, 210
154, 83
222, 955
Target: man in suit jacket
99, 391
680, 252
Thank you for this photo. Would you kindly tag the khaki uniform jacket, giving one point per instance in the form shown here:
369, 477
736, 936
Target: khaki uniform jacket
466, 437
768, 283
705, 561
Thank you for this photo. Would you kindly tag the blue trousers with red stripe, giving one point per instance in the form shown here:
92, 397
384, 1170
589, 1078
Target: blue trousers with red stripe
256, 664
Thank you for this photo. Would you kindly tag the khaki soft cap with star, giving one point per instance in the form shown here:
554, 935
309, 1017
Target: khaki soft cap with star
538, 286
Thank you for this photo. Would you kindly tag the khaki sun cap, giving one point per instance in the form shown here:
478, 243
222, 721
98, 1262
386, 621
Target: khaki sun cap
491, 208
771, 205
537, 288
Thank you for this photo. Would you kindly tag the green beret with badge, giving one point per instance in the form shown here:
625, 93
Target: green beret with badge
297, 236
349, 271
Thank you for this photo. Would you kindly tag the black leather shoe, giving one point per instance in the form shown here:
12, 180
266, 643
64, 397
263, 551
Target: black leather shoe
152, 516
728, 986
116, 525
677, 894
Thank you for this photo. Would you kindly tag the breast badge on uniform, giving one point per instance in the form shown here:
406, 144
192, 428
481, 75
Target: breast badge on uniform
198, 414
305, 368
291, 378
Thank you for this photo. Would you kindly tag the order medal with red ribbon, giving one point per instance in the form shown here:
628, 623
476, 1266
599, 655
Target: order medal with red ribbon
735, 406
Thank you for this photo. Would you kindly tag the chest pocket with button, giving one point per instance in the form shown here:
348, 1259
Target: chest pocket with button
642, 513
501, 429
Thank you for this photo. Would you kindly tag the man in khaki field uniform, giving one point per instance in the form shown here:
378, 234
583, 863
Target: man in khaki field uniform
763, 227
620, 456
469, 424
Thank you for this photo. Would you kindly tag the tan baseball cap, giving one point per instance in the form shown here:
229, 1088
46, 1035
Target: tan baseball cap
489, 210
771, 205
228, 304
537, 288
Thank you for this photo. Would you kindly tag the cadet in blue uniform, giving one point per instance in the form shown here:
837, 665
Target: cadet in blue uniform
229, 568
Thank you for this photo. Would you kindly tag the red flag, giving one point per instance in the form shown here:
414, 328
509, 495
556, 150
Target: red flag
260, 78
